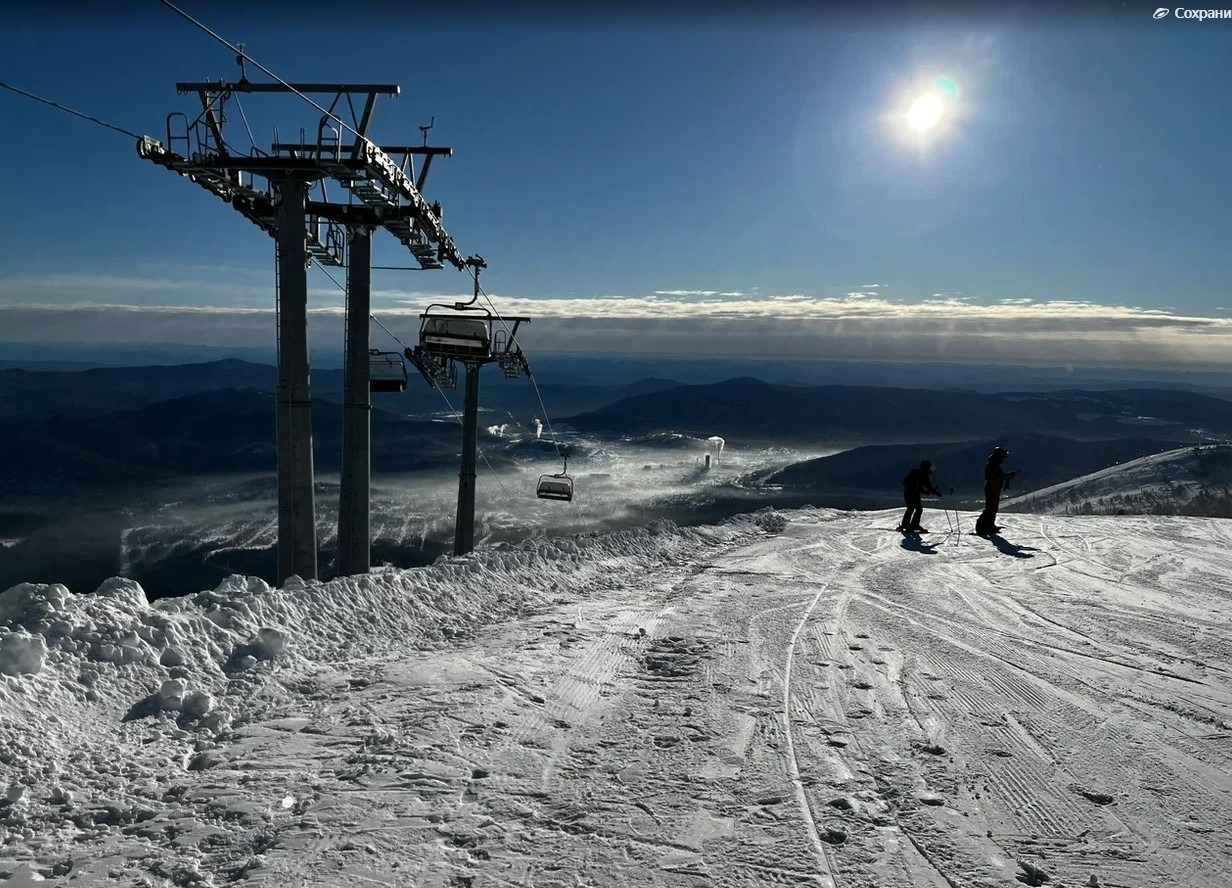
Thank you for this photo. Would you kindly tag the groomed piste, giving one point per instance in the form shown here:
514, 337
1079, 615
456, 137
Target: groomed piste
791, 697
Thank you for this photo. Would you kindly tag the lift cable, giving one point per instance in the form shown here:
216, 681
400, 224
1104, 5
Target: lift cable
456, 414
390, 332
30, 95
241, 54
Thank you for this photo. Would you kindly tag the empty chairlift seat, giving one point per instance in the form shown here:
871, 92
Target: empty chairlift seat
455, 337
555, 487
386, 372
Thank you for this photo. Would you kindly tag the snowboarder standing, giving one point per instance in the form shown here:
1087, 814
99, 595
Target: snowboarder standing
996, 479
917, 483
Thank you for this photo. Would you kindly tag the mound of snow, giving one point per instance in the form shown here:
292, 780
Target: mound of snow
22, 653
99, 662
24, 876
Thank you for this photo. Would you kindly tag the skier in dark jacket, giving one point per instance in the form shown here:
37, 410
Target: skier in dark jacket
917, 483
996, 479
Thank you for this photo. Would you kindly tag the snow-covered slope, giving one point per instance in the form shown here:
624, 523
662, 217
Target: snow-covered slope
791, 698
1189, 480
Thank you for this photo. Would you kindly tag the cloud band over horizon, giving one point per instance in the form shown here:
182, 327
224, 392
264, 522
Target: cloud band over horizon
860, 325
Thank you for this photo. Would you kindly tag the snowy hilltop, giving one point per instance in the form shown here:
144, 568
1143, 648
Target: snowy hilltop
1186, 481
787, 698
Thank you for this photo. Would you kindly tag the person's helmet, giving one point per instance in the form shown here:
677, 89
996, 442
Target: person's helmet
927, 465
1000, 451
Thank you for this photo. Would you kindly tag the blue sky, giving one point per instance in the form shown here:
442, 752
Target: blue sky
674, 181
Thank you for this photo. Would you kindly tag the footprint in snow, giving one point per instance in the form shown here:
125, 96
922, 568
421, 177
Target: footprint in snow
833, 836
1099, 798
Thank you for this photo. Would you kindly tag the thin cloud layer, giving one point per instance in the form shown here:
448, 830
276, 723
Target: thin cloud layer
861, 325
229, 288
698, 293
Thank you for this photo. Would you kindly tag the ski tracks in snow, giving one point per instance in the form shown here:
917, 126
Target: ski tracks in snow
818, 707
793, 762
815, 706
1070, 703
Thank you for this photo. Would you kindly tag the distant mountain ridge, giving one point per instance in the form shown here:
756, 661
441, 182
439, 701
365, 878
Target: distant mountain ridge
92, 392
746, 409
1042, 460
605, 369
66, 431
740, 408
95, 391
230, 430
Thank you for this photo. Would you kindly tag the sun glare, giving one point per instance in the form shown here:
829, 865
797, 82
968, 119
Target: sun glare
925, 112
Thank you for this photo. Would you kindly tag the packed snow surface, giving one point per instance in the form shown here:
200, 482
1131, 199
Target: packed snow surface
789, 698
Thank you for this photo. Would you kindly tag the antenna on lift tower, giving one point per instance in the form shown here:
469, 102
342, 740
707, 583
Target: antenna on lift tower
240, 58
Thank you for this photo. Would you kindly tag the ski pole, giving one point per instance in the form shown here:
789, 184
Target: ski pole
946, 510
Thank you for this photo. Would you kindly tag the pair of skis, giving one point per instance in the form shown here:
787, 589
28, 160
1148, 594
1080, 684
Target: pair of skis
955, 524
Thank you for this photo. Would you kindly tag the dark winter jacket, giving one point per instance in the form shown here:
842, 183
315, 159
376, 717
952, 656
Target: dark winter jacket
995, 476
917, 483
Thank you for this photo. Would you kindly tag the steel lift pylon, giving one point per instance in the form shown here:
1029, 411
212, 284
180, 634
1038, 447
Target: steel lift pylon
274, 191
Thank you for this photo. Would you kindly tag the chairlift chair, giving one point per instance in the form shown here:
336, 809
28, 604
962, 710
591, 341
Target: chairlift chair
452, 334
386, 371
556, 487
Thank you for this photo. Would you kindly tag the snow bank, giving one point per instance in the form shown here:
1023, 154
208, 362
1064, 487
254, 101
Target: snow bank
22, 653
113, 657
102, 693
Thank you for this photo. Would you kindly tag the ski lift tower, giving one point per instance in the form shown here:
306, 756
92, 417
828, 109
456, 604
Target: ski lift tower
275, 191
465, 333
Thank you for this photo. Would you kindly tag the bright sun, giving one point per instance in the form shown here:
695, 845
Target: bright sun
925, 112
